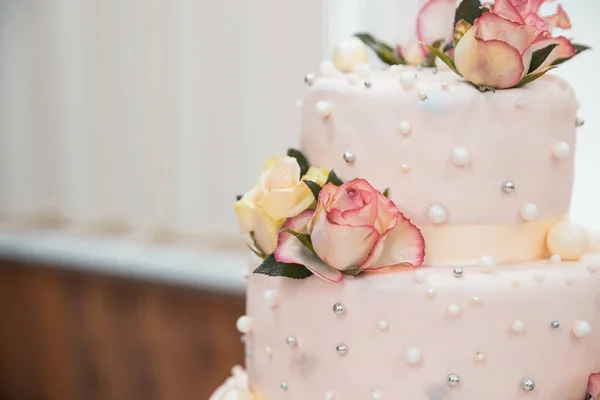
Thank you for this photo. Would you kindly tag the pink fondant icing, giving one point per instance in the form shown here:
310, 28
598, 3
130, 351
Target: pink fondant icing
535, 293
509, 134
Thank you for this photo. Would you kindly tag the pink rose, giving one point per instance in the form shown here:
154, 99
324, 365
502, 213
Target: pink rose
497, 51
353, 227
594, 386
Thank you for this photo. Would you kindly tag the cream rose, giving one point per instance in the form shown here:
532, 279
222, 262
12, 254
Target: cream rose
594, 386
235, 388
354, 227
280, 194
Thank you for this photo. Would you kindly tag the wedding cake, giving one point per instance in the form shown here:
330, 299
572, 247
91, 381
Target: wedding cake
418, 246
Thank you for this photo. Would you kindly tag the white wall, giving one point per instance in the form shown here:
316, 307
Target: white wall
144, 114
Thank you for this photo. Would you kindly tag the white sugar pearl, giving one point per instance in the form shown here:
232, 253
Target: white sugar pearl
530, 212
269, 351
423, 95
521, 102
377, 395
327, 68
363, 70
453, 310
437, 214
461, 156
329, 396
271, 296
323, 108
487, 264
405, 168
561, 150
419, 276
404, 128
431, 293
570, 279
569, 240
383, 325
517, 326
476, 300
539, 276
352, 79
555, 259
480, 357
408, 80
445, 86
395, 69
349, 53
244, 324
412, 355
581, 329
298, 103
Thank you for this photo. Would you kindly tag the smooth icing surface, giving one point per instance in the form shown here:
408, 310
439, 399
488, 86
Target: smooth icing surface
405, 332
455, 149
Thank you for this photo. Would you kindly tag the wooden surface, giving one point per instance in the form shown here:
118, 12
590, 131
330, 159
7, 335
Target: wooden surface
67, 335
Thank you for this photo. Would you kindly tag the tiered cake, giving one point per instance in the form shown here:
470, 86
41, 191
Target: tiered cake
469, 282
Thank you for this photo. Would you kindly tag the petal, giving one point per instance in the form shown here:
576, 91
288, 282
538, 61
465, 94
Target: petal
402, 245
492, 27
564, 50
413, 52
341, 247
323, 203
507, 10
285, 203
284, 173
435, 21
245, 207
559, 20
387, 215
594, 385
491, 62
291, 250
266, 230
317, 175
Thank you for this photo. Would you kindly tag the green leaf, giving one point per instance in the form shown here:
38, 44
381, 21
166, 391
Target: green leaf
532, 77
386, 192
484, 88
579, 48
444, 57
239, 197
385, 52
430, 61
271, 267
304, 238
469, 10
448, 47
314, 187
301, 159
539, 56
333, 178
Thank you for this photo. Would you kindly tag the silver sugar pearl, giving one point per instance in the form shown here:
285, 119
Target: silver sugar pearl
339, 308
528, 384
555, 324
458, 272
349, 157
508, 186
243, 338
420, 67
368, 84
291, 340
248, 353
579, 122
309, 78
284, 385
341, 348
453, 380
434, 70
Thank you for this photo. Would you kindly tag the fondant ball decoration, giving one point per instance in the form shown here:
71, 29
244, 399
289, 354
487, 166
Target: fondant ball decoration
329, 396
363, 70
530, 212
487, 264
568, 240
412, 355
349, 53
461, 156
323, 108
437, 214
453, 310
581, 329
517, 326
408, 80
352, 79
271, 297
561, 150
244, 324
404, 128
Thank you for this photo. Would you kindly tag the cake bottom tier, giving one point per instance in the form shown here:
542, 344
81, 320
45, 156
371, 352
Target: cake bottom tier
521, 331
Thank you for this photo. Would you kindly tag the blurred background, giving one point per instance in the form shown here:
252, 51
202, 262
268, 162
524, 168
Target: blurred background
127, 127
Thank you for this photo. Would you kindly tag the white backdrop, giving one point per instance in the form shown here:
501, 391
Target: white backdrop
148, 116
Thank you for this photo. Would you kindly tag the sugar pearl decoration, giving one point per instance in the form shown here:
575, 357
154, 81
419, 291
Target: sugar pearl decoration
453, 310
570, 279
405, 168
383, 325
579, 122
284, 386
271, 297
423, 96
352, 79
461, 156
479, 357
309, 79
581, 329
487, 264
453, 380
555, 324
244, 324
476, 300
329, 396
368, 84
327, 68
349, 53
244, 276
323, 108
561, 150
404, 128
528, 384
339, 309
363, 70
269, 351
248, 353
291, 341
555, 259
431, 293
458, 272
445, 86
568, 240
521, 102
377, 395
517, 326
408, 80
419, 276
395, 69
349, 157
530, 212
539, 276
508, 186
341, 349
299, 103
437, 214
412, 355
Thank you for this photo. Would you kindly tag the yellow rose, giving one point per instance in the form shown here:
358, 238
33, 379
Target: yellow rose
280, 194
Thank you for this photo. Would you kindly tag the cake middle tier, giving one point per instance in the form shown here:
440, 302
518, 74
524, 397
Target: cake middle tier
479, 173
